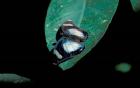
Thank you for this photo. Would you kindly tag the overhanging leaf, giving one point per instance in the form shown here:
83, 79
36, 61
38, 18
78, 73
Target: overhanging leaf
135, 5
93, 16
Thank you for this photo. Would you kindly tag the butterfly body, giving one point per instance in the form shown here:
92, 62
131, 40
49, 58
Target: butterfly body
70, 41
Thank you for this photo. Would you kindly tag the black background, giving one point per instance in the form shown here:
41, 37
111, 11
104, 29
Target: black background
23, 48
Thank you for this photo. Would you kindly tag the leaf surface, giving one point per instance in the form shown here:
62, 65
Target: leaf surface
93, 16
136, 5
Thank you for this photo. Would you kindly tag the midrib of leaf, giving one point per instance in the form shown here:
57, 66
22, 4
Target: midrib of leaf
82, 13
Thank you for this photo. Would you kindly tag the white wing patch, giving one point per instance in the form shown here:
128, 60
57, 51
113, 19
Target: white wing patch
76, 33
59, 56
67, 24
70, 46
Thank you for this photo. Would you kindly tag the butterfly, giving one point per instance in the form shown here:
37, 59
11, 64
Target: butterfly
70, 42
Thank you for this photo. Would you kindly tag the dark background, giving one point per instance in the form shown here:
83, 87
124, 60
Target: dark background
23, 48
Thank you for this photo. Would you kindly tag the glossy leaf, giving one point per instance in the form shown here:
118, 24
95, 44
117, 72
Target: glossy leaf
93, 16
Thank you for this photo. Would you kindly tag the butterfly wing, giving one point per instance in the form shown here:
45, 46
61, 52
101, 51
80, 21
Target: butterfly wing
69, 29
66, 49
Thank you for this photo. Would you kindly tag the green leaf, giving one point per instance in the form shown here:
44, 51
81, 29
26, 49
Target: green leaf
13, 78
123, 67
93, 16
136, 5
